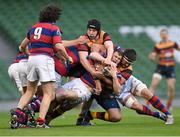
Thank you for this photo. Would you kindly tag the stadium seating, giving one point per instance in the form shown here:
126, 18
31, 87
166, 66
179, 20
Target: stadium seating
17, 16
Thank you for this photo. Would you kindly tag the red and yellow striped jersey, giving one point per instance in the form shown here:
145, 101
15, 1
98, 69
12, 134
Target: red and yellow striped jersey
165, 52
103, 36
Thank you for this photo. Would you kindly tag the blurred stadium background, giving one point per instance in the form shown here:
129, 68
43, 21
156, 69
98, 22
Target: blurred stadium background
131, 23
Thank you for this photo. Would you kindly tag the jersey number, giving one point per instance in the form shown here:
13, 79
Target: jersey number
37, 33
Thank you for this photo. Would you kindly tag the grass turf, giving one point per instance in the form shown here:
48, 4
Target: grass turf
132, 124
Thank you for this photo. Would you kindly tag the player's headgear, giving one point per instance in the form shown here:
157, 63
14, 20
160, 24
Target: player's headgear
130, 55
94, 24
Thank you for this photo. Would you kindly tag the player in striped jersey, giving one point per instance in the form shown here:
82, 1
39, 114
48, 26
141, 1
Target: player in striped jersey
96, 37
126, 91
44, 37
163, 52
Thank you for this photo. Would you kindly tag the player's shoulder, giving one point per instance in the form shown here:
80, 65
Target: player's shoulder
46, 25
55, 26
168, 44
158, 44
102, 32
171, 42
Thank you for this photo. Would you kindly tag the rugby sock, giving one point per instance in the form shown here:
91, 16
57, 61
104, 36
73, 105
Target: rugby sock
100, 115
157, 103
35, 104
56, 112
147, 111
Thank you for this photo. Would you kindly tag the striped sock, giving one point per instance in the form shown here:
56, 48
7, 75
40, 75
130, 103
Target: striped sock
54, 114
35, 104
157, 103
100, 115
147, 111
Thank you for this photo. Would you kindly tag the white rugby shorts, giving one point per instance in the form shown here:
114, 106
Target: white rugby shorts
41, 67
132, 86
14, 75
78, 86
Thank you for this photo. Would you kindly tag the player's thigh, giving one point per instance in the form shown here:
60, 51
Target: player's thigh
14, 75
41, 67
62, 93
48, 88
32, 87
58, 80
46, 69
137, 86
107, 103
156, 78
78, 88
23, 73
146, 93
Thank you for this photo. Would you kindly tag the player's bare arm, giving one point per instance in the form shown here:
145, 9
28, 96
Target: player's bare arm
23, 45
80, 40
62, 51
84, 61
111, 72
98, 57
109, 46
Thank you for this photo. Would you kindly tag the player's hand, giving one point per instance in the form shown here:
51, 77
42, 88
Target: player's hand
110, 71
109, 62
152, 56
97, 91
70, 59
113, 71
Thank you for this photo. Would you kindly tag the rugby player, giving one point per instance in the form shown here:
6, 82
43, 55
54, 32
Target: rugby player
163, 52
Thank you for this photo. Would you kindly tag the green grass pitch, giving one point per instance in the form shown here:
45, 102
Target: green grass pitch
131, 124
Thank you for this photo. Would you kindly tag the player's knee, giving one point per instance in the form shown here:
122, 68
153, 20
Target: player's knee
115, 118
53, 96
146, 93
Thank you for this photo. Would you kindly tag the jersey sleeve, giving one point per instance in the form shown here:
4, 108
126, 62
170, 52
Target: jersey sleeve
56, 35
176, 46
126, 73
155, 49
83, 47
106, 37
